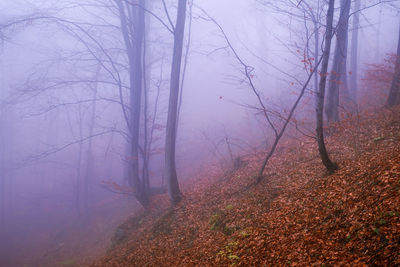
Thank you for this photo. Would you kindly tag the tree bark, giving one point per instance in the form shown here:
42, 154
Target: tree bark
170, 142
338, 74
394, 93
330, 166
354, 54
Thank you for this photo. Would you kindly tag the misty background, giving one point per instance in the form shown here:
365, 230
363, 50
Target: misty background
62, 121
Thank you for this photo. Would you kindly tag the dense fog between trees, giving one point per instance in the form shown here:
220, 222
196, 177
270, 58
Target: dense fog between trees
67, 100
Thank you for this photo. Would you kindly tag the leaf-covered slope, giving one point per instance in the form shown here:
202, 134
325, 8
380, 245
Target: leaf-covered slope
297, 216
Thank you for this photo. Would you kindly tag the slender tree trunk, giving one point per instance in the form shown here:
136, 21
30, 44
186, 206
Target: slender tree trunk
2, 179
394, 93
78, 195
354, 54
146, 155
89, 154
155, 113
170, 142
147, 58
338, 78
228, 145
128, 47
5, 149
378, 35
316, 56
2, 148
330, 166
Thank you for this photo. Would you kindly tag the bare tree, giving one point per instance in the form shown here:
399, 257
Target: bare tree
262, 107
330, 166
305, 11
132, 17
170, 142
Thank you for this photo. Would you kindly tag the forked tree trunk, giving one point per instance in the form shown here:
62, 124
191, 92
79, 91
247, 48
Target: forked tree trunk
330, 166
394, 93
170, 142
338, 78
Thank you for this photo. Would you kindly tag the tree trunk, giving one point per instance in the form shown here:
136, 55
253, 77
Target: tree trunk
170, 142
78, 173
316, 56
378, 56
89, 154
147, 58
133, 30
79, 187
394, 93
2, 151
354, 54
338, 76
330, 166
2, 181
136, 79
146, 84
185, 63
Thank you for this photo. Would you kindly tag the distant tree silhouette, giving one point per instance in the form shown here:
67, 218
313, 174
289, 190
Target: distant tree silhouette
394, 93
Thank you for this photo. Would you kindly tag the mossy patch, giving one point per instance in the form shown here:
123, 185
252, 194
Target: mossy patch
218, 222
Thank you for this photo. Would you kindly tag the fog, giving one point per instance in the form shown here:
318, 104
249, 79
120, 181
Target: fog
64, 102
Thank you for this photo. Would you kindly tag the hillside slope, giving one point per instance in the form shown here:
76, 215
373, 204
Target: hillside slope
298, 215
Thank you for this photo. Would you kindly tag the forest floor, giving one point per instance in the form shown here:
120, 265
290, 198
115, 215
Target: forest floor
59, 239
297, 215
